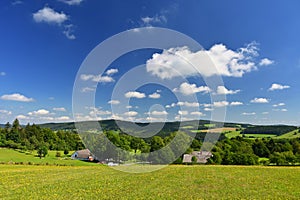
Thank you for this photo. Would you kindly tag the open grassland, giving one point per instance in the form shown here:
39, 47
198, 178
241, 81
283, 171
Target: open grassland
15, 156
172, 182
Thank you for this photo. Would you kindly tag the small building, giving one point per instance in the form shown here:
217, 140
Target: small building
201, 157
84, 155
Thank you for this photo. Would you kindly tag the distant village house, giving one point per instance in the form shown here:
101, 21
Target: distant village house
201, 157
84, 155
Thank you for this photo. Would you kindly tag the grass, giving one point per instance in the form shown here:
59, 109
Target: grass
290, 135
14, 156
232, 134
172, 182
259, 135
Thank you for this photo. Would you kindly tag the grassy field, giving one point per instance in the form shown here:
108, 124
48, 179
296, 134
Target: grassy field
15, 156
172, 182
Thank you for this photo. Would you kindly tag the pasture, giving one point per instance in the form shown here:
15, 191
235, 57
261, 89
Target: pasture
172, 182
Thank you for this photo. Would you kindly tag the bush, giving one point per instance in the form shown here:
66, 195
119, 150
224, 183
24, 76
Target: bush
58, 154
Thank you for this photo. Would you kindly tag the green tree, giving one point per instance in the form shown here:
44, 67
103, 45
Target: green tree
66, 152
42, 151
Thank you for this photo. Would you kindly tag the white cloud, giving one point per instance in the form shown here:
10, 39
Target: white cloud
279, 104
16, 97
187, 104
131, 113
155, 95
259, 100
88, 89
128, 107
225, 91
236, 103
197, 113
183, 112
114, 102
188, 89
2, 73
97, 111
61, 109
284, 110
22, 117
265, 62
208, 109
5, 112
62, 118
134, 94
96, 78
247, 113
68, 32
172, 62
159, 113
111, 71
220, 103
265, 113
49, 15
157, 19
71, 2
276, 86
39, 112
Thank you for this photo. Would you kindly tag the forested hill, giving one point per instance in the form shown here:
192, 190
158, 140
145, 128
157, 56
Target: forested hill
168, 126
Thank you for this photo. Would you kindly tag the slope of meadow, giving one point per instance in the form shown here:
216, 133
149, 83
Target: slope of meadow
172, 182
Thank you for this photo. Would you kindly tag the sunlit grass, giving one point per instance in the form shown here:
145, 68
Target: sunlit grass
172, 182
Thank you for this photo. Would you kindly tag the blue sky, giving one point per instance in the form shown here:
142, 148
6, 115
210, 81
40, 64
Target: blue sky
254, 45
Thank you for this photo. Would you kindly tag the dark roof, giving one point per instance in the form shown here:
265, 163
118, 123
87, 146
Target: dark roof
82, 154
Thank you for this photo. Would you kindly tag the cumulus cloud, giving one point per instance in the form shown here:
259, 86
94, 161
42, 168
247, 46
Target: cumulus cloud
16, 97
183, 112
111, 71
114, 102
225, 91
276, 86
155, 95
259, 100
134, 94
226, 62
63, 118
236, 103
158, 113
22, 117
265, 62
279, 104
188, 89
61, 109
197, 113
208, 109
96, 78
49, 15
68, 32
188, 104
157, 19
248, 113
131, 113
5, 112
71, 2
88, 89
39, 112
220, 103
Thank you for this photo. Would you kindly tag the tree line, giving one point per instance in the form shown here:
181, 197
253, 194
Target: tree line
33, 137
240, 151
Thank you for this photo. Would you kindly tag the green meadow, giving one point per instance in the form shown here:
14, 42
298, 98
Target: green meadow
172, 182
